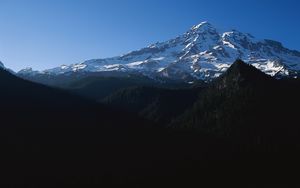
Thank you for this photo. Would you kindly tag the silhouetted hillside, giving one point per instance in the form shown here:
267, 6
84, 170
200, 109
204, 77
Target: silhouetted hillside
239, 131
51, 138
48, 135
249, 105
156, 104
42, 104
97, 86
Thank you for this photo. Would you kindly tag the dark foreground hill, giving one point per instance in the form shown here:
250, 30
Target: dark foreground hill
48, 135
244, 103
247, 105
51, 138
160, 105
223, 137
97, 86
253, 113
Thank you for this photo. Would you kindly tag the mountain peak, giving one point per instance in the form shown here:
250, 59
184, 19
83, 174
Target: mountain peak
239, 64
241, 73
203, 26
242, 68
26, 70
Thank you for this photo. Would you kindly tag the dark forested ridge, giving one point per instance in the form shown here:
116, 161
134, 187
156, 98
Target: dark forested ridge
160, 105
97, 86
247, 104
241, 130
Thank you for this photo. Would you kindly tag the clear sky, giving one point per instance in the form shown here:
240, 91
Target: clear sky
47, 33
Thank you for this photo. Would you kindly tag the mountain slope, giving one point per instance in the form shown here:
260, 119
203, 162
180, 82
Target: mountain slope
160, 105
201, 53
97, 88
246, 104
50, 138
32, 107
1, 65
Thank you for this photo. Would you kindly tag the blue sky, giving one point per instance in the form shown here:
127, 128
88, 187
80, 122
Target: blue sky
47, 33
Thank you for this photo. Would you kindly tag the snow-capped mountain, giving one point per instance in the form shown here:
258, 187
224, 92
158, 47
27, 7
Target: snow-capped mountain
202, 53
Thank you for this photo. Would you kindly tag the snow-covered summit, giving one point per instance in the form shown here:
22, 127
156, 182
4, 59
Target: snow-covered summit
202, 27
201, 53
